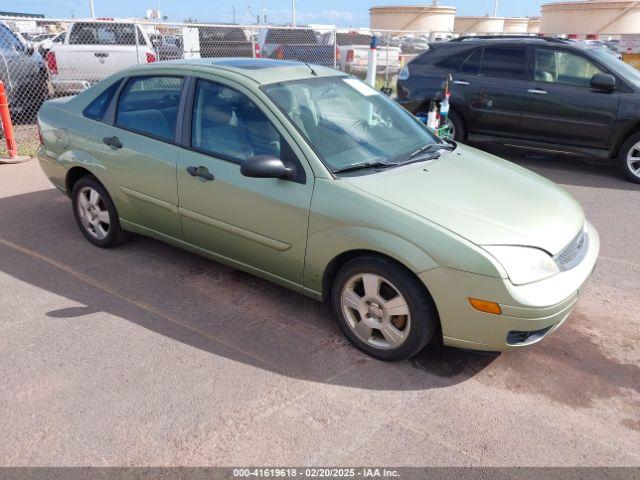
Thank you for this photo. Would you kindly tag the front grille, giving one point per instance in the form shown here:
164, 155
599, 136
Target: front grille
573, 253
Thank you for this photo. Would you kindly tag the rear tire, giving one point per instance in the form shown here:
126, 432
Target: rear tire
629, 158
96, 214
455, 122
383, 309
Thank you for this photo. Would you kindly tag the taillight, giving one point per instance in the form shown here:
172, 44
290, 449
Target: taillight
337, 52
52, 63
256, 50
151, 57
279, 53
350, 56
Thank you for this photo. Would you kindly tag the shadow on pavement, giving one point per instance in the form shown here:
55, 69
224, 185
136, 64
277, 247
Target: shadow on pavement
199, 303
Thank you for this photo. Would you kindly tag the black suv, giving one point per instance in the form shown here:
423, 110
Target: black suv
538, 93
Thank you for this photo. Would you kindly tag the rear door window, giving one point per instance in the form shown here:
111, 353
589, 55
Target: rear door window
149, 105
504, 62
471, 65
105, 34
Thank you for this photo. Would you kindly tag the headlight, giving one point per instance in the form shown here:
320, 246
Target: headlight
524, 264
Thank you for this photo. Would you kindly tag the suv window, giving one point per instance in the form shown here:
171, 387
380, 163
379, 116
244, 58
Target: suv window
472, 65
227, 124
105, 34
560, 66
504, 62
149, 105
455, 61
98, 107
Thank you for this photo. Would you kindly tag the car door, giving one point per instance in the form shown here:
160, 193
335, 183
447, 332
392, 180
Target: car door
490, 87
20, 68
258, 222
136, 145
561, 106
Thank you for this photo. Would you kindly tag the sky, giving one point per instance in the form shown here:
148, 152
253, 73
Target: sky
354, 13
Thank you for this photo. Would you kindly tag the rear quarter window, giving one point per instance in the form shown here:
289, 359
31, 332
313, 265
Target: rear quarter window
98, 107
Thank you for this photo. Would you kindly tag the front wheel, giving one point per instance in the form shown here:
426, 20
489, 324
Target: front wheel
629, 158
383, 309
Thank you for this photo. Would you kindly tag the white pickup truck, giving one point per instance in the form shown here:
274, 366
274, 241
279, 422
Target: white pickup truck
353, 53
93, 50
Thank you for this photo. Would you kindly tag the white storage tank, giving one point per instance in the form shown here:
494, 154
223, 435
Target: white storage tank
515, 25
613, 17
478, 25
534, 25
420, 18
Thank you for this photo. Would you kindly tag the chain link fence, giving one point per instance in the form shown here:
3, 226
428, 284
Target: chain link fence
42, 59
59, 57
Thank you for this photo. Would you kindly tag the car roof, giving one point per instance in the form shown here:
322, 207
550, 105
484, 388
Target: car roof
260, 70
461, 42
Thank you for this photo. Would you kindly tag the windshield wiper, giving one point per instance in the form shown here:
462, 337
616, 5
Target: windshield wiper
363, 166
433, 147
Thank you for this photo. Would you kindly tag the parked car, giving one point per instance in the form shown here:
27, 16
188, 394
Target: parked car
414, 45
91, 51
218, 42
316, 181
535, 93
165, 49
353, 53
299, 44
45, 45
23, 72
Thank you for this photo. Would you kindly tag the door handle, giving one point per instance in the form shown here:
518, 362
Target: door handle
537, 91
201, 172
460, 82
113, 142
101, 55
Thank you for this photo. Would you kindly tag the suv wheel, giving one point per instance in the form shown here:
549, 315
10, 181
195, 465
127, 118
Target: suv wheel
455, 123
630, 158
383, 309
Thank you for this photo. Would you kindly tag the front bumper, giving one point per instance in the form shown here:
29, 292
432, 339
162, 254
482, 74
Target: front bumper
529, 312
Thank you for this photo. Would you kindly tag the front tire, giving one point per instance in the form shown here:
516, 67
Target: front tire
96, 214
383, 309
629, 158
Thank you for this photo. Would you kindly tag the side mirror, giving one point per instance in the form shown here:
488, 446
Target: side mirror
603, 81
265, 166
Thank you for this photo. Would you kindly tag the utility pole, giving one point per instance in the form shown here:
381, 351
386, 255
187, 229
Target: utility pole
495, 8
293, 13
91, 10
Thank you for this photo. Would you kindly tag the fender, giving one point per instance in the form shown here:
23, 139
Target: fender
325, 245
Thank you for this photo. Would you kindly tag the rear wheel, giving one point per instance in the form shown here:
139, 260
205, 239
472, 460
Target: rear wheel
383, 309
456, 125
96, 214
629, 158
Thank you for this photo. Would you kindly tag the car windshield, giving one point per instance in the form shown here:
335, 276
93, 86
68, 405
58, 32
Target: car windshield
349, 123
630, 73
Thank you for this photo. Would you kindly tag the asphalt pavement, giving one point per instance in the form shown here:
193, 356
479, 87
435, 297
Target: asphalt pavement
148, 355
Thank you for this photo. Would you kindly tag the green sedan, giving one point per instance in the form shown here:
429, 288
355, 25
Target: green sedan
307, 177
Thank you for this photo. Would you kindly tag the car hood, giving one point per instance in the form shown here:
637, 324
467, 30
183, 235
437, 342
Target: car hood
482, 198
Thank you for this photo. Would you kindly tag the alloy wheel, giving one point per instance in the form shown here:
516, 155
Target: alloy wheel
93, 213
633, 160
376, 311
